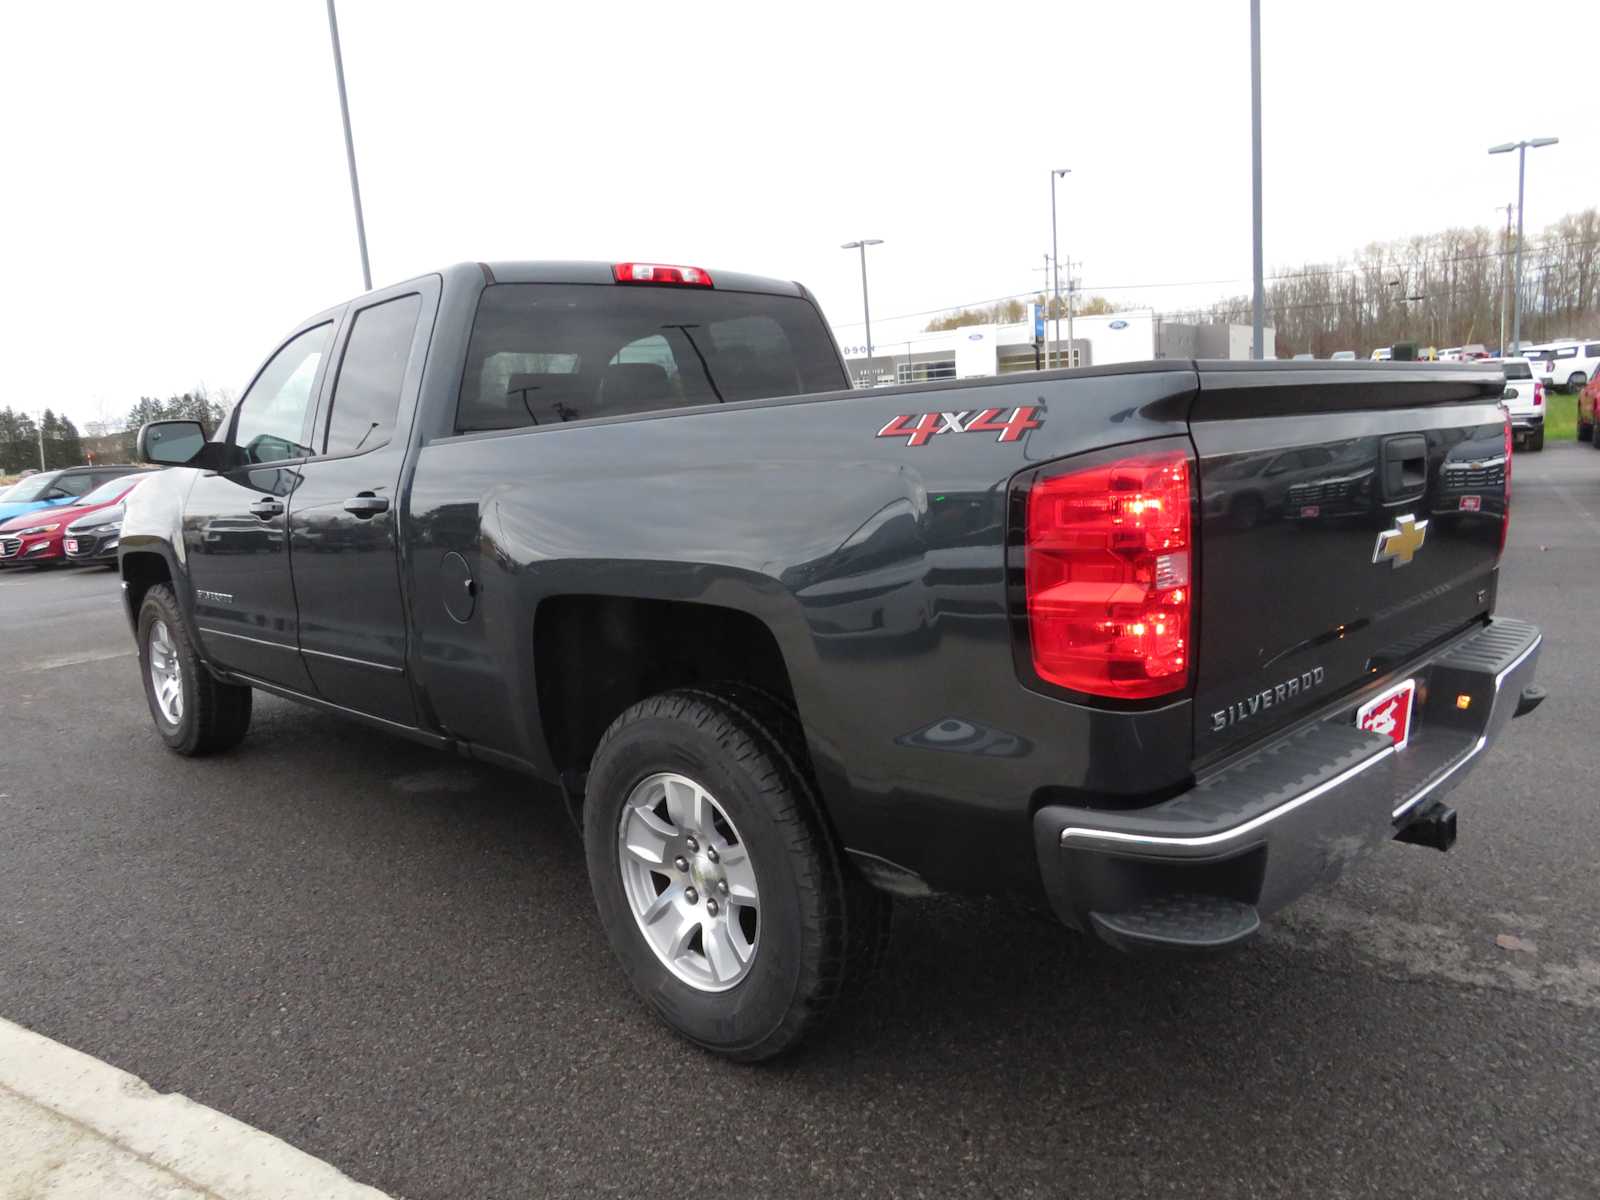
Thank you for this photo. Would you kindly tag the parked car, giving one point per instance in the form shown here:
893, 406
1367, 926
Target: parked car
1524, 398
599, 522
1342, 356
51, 489
1568, 364
39, 537
1588, 402
94, 531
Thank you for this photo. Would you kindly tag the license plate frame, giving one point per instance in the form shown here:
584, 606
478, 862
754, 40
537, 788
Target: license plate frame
70, 545
1381, 715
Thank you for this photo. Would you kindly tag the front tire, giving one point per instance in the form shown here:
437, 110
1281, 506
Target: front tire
194, 712
720, 887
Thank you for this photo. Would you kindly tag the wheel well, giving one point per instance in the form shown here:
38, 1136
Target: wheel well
141, 572
596, 655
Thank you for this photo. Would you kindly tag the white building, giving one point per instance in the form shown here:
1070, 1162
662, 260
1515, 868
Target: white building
972, 351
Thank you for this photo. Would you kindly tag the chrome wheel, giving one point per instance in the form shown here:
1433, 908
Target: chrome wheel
166, 676
689, 881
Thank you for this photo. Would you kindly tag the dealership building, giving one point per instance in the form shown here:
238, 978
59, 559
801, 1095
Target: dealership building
901, 355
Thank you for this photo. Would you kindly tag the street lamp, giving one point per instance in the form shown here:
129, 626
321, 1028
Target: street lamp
1522, 159
866, 309
349, 146
1257, 299
1055, 257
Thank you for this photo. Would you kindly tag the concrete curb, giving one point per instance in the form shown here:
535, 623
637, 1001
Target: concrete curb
201, 1150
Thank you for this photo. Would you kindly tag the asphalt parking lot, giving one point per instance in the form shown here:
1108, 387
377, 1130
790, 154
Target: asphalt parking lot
388, 958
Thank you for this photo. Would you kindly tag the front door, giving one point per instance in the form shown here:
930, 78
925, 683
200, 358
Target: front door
344, 514
235, 521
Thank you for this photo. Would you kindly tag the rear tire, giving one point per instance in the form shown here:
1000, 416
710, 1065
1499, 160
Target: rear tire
194, 712
1536, 439
724, 761
1575, 381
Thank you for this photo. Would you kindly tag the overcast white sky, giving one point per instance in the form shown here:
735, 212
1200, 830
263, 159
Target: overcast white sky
176, 194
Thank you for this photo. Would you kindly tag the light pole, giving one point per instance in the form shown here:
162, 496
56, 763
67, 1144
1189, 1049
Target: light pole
1257, 307
1522, 160
1055, 257
1505, 276
866, 308
349, 146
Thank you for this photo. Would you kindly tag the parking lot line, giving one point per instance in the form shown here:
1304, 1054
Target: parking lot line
71, 1125
74, 660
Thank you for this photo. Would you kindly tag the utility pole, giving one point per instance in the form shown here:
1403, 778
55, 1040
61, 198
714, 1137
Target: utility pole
1071, 284
349, 146
1257, 306
41, 442
1505, 276
1522, 161
866, 308
1055, 254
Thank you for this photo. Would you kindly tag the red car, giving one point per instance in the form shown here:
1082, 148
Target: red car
36, 537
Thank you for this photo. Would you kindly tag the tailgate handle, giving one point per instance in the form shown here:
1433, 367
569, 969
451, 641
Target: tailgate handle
1405, 466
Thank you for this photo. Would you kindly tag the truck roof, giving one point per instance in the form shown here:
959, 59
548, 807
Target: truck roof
545, 271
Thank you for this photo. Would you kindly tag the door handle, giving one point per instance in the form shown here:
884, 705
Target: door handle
366, 505
267, 507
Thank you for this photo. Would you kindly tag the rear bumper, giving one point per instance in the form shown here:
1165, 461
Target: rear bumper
1261, 831
1527, 420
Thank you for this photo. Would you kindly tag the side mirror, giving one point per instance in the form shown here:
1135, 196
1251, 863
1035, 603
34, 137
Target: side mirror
170, 443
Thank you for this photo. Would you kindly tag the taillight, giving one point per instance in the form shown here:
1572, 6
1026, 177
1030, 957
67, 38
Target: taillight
1108, 569
1538, 393
660, 273
1505, 503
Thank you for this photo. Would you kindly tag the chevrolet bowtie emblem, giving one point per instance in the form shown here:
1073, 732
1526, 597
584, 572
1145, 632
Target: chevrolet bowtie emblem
1398, 545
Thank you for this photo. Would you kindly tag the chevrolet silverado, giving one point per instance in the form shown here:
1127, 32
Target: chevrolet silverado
1160, 646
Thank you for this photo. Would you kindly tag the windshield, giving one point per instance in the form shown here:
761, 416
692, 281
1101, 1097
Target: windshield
30, 489
108, 491
546, 353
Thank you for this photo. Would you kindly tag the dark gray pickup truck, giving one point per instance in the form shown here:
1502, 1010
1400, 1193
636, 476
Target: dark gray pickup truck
1160, 646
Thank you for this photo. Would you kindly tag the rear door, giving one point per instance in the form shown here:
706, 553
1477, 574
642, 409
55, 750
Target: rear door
345, 509
1380, 538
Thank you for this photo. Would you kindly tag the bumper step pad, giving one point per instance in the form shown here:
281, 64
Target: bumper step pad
1186, 921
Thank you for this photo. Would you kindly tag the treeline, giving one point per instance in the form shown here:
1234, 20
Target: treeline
1442, 289
63, 444
20, 441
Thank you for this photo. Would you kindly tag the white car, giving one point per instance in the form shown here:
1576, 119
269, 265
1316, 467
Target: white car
1566, 364
1524, 400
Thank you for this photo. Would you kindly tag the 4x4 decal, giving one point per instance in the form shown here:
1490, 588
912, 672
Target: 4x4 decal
920, 428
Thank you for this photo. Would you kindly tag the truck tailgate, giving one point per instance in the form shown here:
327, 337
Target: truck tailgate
1351, 517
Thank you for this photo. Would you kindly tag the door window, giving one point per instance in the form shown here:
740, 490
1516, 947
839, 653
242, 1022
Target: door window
271, 422
366, 395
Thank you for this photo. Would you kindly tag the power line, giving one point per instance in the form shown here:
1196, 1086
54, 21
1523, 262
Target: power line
1382, 267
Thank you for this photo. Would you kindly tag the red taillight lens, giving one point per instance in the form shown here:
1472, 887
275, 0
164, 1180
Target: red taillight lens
1505, 506
660, 273
1108, 576
1538, 394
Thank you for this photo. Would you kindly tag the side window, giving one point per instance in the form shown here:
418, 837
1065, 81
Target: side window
1592, 351
75, 485
271, 422
367, 393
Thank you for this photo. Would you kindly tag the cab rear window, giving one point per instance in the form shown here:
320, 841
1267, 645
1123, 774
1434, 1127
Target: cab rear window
1518, 371
546, 353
